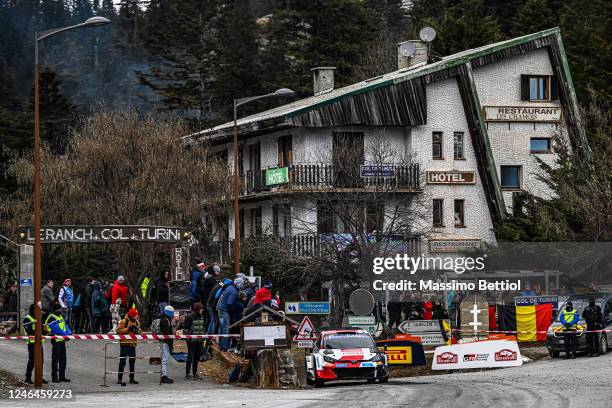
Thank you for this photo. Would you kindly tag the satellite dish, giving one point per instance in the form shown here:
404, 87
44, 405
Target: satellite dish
361, 302
427, 34
407, 49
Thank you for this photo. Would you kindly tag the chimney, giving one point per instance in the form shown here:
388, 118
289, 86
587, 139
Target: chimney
323, 78
419, 55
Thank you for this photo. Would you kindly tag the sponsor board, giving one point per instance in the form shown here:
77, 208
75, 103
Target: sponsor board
399, 355
480, 354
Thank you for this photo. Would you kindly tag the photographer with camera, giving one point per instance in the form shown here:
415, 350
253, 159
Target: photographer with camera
129, 325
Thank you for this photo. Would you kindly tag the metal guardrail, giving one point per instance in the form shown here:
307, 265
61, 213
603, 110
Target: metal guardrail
107, 357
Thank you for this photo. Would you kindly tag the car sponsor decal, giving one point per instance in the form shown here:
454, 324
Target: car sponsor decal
447, 358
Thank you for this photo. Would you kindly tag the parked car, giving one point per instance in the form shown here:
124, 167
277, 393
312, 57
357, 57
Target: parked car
554, 336
346, 354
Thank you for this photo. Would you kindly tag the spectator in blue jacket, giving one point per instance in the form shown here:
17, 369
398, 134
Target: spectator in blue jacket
99, 309
227, 304
196, 275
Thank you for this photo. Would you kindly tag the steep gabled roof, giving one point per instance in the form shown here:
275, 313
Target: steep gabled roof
308, 111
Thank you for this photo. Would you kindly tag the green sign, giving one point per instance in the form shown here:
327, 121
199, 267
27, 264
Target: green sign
279, 175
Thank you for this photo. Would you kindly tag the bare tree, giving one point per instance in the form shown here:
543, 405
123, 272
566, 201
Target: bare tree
340, 221
120, 168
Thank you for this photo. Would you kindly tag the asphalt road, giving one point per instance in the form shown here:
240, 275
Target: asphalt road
580, 383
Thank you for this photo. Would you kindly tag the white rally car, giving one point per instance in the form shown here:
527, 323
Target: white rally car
346, 354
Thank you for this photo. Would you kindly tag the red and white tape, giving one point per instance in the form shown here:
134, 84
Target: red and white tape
125, 337
525, 332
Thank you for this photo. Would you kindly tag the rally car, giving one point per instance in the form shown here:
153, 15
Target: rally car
346, 354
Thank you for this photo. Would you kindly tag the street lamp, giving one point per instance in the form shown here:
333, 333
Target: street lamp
39, 36
239, 102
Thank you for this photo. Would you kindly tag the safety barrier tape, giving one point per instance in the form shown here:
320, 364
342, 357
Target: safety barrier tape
125, 337
560, 330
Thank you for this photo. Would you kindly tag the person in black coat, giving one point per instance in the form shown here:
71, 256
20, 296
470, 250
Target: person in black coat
162, 290
10, 303
593, 318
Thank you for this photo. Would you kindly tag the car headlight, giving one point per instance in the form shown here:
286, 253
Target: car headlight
549, 332
329, 359
377, 357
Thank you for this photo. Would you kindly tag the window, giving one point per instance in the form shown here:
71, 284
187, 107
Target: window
436, 145
347, 157
325, 218
281, 213
511, 177
241, 218
438, 213
458, 146
375, 217
539, 145
255, 227
285, 151
459, 214
539, 88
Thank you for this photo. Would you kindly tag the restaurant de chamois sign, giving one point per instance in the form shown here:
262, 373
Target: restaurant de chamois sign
57, 234
522, 113
450, 177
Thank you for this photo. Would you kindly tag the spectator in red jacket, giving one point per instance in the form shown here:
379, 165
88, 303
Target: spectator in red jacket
120, 291
264, 295
427, 313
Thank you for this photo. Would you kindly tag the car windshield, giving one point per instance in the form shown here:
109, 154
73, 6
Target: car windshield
578, 305
348, 340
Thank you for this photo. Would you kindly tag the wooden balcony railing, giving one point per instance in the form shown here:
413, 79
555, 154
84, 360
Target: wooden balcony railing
318, 177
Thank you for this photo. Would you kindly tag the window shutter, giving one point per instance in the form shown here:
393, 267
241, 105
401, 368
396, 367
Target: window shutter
525, 87
554, 88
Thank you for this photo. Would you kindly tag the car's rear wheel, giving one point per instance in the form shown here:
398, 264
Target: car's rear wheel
603, 344
553, 353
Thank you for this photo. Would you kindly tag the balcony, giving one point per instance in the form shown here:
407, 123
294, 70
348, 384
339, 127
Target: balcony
303, 246
319, 178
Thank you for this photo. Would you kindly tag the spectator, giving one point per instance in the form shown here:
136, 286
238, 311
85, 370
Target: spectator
120, 291
162, 290
86, 319
226, 305
10, 302
47, 296
194, 324
127, 348
165, 328
58, 327
264, 295
394, 309
210, 280
66, 300
196, 275
211, 305
99, 308
427, 310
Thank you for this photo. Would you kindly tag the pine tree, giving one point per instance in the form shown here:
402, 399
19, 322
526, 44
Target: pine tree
533, 16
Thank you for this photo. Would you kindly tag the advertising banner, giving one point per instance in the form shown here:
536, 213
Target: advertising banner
480, 354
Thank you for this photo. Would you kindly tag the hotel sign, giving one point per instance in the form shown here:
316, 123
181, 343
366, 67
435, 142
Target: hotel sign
522, 113
276, 176
453, 245
451, 177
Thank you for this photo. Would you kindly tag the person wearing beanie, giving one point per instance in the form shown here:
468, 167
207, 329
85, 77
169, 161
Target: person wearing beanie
165, 328
127, 348
58, 327
225, 308
66, 300
120, 291
194, 324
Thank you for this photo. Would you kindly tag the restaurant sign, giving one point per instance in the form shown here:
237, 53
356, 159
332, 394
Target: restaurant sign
451, 177
453, 245
522, 113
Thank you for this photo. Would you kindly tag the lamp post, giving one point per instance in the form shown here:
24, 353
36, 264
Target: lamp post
237, 103
39, 36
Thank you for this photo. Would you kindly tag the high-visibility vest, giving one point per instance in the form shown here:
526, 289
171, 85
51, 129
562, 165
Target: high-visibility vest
33, 321
568, 316
60, 322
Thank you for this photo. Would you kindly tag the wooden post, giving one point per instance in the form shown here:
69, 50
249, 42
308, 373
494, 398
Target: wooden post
267, 369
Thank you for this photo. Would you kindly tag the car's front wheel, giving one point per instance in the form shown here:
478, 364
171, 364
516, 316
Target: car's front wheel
603, 344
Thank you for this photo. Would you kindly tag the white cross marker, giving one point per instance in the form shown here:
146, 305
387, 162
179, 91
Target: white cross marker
475, 311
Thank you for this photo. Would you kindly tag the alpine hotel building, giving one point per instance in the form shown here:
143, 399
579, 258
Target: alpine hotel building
472, 125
